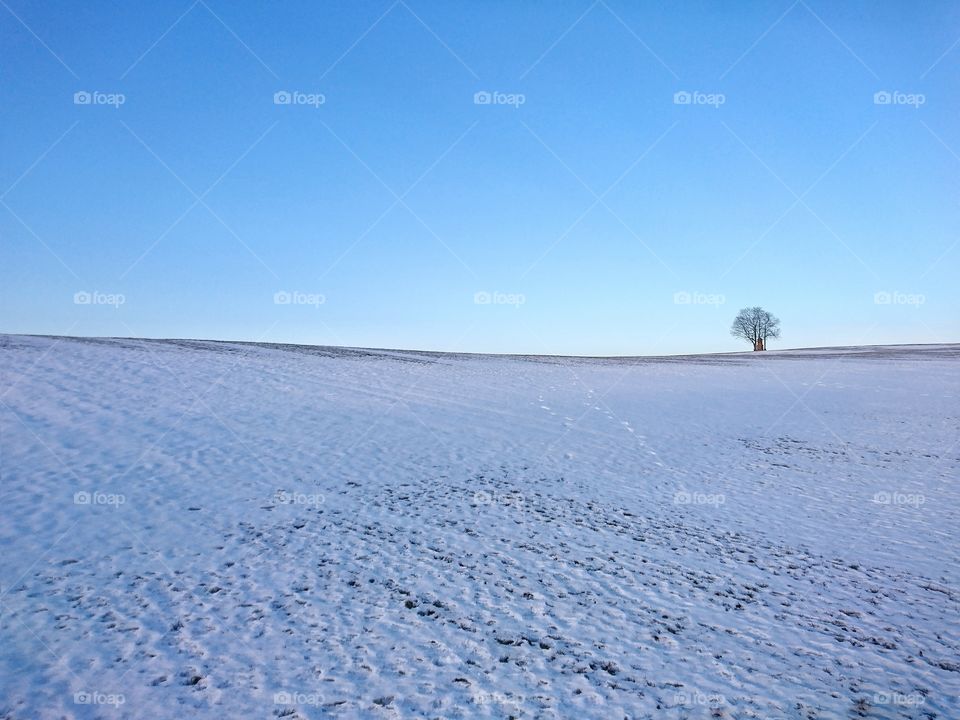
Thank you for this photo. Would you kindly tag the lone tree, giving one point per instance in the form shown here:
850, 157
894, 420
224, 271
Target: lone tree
755, 325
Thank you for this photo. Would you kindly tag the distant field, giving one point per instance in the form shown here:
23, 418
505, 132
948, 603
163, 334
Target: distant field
196, 529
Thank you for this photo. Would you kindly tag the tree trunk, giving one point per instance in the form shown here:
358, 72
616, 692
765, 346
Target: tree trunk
758, 345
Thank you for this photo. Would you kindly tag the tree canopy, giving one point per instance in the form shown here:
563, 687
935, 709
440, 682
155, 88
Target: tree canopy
756, 326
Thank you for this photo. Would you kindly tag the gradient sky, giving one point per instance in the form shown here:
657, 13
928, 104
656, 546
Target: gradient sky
588, 214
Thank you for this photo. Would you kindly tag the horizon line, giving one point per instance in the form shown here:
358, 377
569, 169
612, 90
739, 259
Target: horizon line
480, 354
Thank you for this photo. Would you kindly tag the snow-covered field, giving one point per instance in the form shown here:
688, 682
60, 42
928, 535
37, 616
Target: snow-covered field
225, 530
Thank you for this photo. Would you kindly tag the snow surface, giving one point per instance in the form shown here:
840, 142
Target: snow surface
226, 530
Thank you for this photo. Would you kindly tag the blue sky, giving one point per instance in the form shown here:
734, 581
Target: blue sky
586, 209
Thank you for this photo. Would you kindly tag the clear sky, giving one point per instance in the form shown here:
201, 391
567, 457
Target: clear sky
580, 206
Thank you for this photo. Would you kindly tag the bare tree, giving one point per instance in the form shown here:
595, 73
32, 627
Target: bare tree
756, 326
